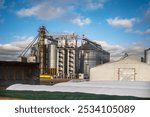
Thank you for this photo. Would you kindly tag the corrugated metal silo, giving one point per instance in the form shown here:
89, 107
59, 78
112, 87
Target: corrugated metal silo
90, 60
90, 55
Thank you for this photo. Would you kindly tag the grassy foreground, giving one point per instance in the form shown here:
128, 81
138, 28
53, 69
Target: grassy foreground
43, 95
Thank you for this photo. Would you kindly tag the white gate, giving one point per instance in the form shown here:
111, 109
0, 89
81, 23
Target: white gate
126, 74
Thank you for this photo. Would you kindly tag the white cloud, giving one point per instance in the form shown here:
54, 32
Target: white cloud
2, 7
110, 47
117, 51
119, 22
147, 14
65, 9
29, 12
9, 47
114, 49
81, 4
93, 4
147, 31
11, 50
43, 11
80, 20
135, 50
1, 20
2, 3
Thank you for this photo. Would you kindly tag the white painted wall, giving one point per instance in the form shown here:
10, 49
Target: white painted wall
109, 71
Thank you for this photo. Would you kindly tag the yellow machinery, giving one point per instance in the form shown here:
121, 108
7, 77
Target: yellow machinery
46, 76
51, 72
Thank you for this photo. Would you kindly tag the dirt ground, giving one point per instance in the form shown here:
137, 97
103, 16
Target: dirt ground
44, 81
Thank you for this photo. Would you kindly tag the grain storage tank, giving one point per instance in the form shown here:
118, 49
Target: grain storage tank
52, 59
88, 57
147, 56
89, 60
106, 56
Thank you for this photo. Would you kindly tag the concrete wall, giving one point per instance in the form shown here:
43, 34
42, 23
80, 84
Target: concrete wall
110, 71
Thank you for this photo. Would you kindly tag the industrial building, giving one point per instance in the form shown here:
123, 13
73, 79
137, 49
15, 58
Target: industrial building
60, 56
128, 68
147, 56
19, 72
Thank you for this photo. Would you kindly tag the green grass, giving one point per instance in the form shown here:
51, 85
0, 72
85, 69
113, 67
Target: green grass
43, 95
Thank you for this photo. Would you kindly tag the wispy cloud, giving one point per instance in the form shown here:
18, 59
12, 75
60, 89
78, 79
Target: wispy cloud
117, 51
80, 20
2, 4
94, 4
122, 22
63, 9
147, 31
81, 4
147, 12
11, 50
46, 11
43, 11
1, 20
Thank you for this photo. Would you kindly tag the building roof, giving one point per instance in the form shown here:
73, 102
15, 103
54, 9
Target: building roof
131, 57
89, 46
134, 59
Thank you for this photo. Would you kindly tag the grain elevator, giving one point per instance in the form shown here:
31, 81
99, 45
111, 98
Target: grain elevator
60, 56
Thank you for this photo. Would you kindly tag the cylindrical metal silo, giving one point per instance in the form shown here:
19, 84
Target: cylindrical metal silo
52, 58
90, 60
52, 55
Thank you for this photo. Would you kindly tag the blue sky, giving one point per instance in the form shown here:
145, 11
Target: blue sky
118, 25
